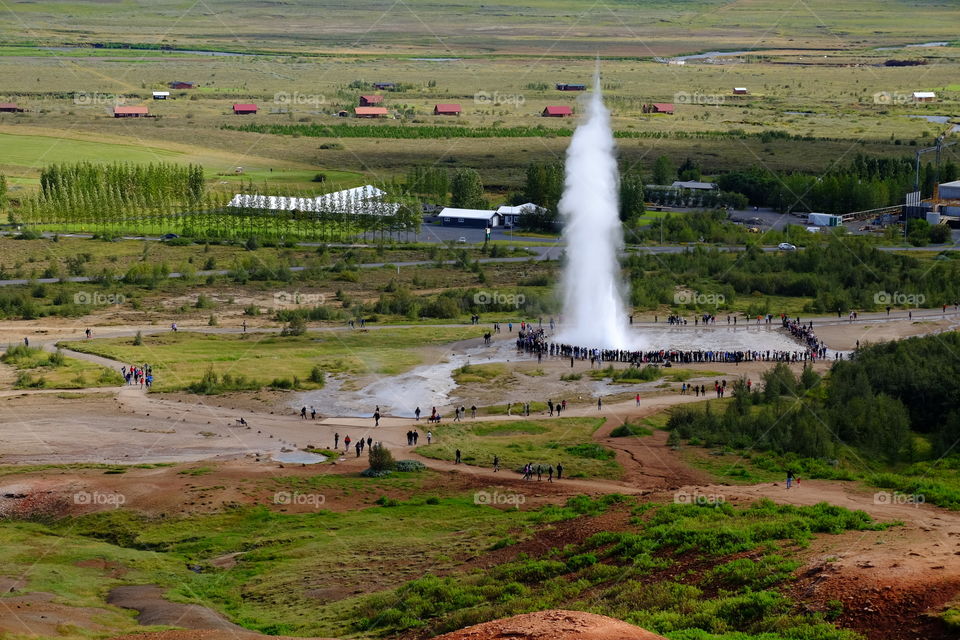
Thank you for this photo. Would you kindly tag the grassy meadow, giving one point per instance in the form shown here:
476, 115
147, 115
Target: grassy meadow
539, 441
183, 358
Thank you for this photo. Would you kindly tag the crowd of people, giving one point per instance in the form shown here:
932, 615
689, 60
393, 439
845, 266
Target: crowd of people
138, 375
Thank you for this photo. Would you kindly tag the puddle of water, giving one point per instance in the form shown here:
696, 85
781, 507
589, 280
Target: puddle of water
298, 457
939, 43
712, 54
432, 385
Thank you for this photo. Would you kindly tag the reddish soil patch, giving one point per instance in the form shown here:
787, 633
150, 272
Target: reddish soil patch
553, 625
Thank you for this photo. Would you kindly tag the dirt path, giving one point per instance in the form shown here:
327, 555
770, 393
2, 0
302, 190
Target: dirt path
153, 609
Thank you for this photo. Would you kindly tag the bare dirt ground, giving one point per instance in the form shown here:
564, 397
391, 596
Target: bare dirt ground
553, 625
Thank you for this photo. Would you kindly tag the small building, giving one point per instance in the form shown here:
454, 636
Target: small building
244, 109
694, 185
660, 107
343, 114
161, 95
370, 101
10, 107
121, 111
566, 86
470, 218
740, 91
949, 190
384, 86
180, 84
446, 110
557, 112
924, 96
511, 215
370, 112
679, 62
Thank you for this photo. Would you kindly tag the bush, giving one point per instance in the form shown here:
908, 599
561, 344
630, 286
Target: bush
138, 339
381, 459
296, 327
629, 429
316, 375
410, 465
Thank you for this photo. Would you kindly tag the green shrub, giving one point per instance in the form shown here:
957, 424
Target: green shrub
629, 429
409, 465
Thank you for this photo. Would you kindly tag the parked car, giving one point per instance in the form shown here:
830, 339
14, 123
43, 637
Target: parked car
786, 246
462, 240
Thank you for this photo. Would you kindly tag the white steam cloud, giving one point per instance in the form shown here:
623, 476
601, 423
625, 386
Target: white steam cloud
594, 311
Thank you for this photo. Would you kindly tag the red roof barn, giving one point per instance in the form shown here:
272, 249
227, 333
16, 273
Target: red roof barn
180, 84
10, 107
661, 107
446, 110
369, 101
370, 112
243, 109
557, 112
130, 112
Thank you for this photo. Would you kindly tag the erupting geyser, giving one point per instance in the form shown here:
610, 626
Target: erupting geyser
593, 311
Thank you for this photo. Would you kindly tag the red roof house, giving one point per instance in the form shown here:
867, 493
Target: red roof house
180, 84
10, 107
369, 101
661, 107
130, 112
370, 112
242, 109
446, 110
557, 112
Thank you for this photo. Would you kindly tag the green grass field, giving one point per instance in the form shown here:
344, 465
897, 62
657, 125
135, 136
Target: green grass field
182, 358
37, 369
544, 442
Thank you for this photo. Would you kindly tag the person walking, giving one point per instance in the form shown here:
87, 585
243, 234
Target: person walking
336, 441
559, 470
376, 417
789, 479
496, 463
638, 399
599, 403
458, 457
429, 437
313, 413
550, 473
417, 413
346, 443
303, 413
473, 411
